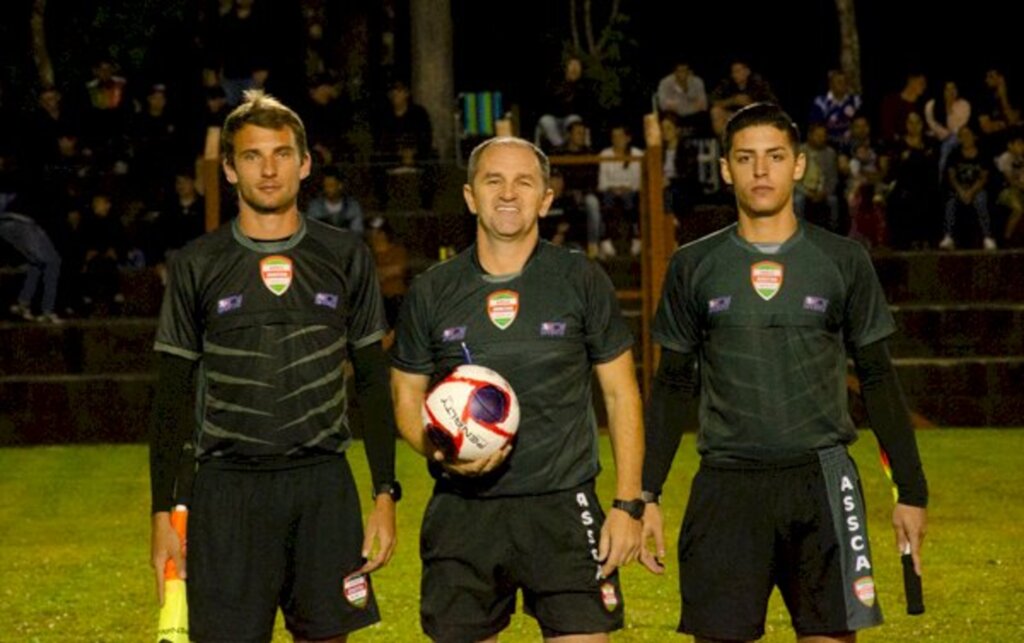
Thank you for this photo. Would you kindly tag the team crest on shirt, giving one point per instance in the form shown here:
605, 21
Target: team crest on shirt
502, 307
609, 597
276, 272
766, 278
864, 588
356, 589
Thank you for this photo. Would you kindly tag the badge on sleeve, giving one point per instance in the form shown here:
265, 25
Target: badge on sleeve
502, 307
276, 272
766, 278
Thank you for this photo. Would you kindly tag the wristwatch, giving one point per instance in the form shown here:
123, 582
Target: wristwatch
392, 488
634, 507
650, 496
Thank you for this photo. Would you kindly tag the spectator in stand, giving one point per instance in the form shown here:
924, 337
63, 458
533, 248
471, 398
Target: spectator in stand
679, 168
569, 95
155, 141
836, 109
740, 89
334, 206
911, 200
818, 189
181, 219
618, 185
43, 264
562, 224
241, 55
968, 173
896, 106
404, 142
945, 117
997, 112
682, 93
327, 120
1011, 165
108, 111
868, 167
45, 125
581, 181
104, 241
392, 261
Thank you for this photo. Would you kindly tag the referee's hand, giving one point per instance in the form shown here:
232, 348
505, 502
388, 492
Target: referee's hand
653, 529
473, 468
620, 541
380, 527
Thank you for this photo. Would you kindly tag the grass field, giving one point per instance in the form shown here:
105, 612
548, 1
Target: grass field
74, 535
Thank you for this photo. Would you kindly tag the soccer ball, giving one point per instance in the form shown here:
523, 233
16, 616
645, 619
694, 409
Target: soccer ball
471, 413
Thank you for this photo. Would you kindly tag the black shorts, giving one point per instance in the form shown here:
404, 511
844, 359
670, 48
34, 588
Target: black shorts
477, 552
801, 527
291, 538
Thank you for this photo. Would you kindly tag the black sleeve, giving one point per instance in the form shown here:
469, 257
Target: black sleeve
673, 398
373, 387
170, 433
890, 420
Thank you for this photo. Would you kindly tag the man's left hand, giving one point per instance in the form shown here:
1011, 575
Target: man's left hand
380, 529
910, 524
621, 537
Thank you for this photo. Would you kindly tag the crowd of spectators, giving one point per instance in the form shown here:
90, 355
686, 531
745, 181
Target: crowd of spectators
108, 172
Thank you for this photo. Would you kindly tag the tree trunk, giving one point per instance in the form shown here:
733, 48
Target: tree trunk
44, 67
849, 53
433, 83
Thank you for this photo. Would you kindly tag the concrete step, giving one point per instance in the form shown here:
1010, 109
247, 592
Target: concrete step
91, 346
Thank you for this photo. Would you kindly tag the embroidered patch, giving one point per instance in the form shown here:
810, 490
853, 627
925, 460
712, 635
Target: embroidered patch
276, 272
719, 304
864, 588
552, 329
766, 278
815, 304
609, 597
502, 307
453, 334
326, 299
234, 302
356, 590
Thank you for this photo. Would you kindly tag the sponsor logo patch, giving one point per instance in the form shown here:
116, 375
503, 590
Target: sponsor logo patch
719, 304
326, 299
609, 597
356, 590
864, 588
815, 304
766, 278
453, 334
503, 307
276, 272
552, 329
234, 302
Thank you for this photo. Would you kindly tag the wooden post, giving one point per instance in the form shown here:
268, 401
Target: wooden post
210, 178
657, 234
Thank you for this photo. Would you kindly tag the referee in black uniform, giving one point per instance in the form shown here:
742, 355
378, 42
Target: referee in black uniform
264, 314
526, 518
755, 324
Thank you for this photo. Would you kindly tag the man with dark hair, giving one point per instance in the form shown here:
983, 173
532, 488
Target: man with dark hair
897, 105
269, 310
526, 518
740, 89
764, 314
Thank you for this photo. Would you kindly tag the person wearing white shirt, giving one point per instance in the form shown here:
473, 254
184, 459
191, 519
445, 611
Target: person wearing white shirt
618, 184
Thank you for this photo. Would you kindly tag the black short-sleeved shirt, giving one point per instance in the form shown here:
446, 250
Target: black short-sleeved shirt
771, 332
542, 329
272, 324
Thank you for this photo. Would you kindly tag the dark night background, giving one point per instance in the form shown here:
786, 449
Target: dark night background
516, 46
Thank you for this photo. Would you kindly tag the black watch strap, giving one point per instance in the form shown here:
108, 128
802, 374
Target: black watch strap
392, 488
634, 507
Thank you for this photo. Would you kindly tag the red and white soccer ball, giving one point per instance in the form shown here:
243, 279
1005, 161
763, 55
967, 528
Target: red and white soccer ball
471, 413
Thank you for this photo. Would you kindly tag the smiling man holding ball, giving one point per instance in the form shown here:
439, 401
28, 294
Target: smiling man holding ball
545, 319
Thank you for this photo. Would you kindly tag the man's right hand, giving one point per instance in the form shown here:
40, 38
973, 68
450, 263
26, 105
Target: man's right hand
473, 468
653, 530
165, 546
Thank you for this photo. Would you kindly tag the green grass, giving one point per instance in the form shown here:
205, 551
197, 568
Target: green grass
74, 534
